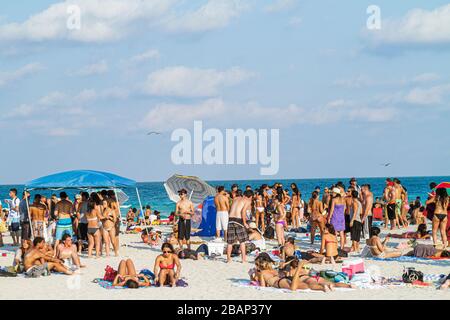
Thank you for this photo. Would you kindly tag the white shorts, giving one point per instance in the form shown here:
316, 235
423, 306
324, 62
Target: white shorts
222, 220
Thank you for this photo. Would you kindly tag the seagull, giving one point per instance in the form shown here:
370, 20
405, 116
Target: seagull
153, 133
385, 164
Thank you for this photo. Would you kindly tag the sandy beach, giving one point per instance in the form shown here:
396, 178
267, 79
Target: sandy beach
207, 279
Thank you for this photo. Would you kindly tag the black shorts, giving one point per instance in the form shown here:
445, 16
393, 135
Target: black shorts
391, 211
26, 231
347, 223
15, 226
355, 231
184, 229
83, 231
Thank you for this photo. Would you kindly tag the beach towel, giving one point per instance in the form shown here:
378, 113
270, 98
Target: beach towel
437, 261
181, 283
252, 284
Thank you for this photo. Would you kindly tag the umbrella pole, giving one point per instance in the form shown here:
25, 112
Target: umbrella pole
29, 216
190, 196
140, 205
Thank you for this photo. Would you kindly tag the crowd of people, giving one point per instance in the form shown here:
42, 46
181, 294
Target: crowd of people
51, 233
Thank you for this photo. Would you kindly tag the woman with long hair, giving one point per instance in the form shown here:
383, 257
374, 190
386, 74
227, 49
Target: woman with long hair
109, 224
165, 265
441, 200
295, 208
260, 210
316, 218
280, 218
336, 216
93, 217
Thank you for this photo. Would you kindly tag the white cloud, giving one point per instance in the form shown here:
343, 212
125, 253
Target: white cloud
295, 21
280, 5
417, 27
61, 132
165, 117
215, 14
97, 68
12, 76
181, 81
362, 81
112, 20
428, 96
147, 55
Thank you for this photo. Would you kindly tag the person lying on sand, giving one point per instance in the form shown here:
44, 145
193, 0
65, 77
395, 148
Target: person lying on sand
446, 284
67, 252
128, 277
198, 254
378, 248
421, 233
428, 251
165, 265
37, 263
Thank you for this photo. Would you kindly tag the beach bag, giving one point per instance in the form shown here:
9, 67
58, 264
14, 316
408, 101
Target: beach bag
269, 233
411, 275
110, 274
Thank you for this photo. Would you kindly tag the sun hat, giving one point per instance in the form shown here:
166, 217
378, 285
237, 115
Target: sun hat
336, 190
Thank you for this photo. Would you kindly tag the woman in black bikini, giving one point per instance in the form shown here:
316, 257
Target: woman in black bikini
441, 200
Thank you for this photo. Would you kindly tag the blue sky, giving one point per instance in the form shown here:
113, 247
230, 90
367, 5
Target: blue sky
345, 99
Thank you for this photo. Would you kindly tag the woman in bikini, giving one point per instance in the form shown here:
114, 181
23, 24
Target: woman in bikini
109, 218
295, 209
165, 265
280, 217
93, 217
421, 233
67, 251
128, 277
378, 248
329, 246
315, 208
441, 200
260, 208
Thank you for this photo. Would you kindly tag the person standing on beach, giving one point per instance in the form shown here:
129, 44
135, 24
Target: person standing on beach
184, 210
24, 218
399, 194
237, 225
37, 213
14, 216
367, 205
336, 216
260, 210
63, 213
222, 207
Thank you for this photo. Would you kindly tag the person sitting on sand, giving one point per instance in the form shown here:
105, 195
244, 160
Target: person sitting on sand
165, 265
128, 277
151, 236
37, 263
131, 216
255, 236
378, 248
329, 246
421, 233
288, 250
20, 254
67, 251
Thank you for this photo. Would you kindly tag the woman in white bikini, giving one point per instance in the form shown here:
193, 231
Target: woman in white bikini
259, 207
378, 248
280, 217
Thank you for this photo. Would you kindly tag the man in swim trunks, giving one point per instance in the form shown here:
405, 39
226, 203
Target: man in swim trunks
399, 192
222, 207
37, 213
390, 208
63, 213
237, 225
367, 204
37, 263
184, 210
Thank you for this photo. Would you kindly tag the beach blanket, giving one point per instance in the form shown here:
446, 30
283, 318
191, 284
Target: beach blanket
108, 284
251, 284
434, 261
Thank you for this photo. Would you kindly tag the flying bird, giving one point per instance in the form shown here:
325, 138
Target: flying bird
153, 133
385, 164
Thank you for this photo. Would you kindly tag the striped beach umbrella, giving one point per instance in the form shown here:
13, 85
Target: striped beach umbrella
197, 189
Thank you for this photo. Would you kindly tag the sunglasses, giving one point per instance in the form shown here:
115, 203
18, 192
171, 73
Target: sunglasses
167, 251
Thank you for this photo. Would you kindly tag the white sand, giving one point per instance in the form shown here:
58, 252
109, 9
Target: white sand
207, 280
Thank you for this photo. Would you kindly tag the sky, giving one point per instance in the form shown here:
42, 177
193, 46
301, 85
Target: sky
345, 98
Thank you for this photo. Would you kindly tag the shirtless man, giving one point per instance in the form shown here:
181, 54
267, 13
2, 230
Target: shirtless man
237, 225
367, 204
63, 213
184, 210
37, 263
222, 207
234, 191
37, 213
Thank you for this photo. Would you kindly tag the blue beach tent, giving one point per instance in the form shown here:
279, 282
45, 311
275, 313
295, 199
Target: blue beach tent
208, 224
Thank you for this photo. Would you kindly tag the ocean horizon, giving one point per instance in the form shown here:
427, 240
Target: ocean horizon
154, 194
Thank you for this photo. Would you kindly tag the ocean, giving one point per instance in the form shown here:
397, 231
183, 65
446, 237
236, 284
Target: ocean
154, 194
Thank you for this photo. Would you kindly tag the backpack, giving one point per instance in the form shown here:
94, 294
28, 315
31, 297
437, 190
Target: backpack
110, 274
269, 233
411, 275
